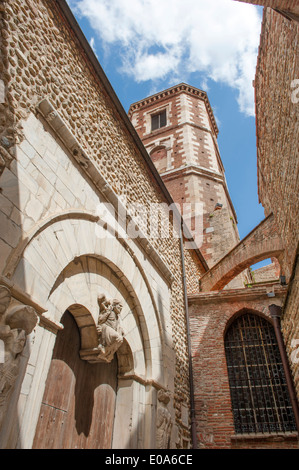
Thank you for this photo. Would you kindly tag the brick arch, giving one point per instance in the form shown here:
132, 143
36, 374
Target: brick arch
261, 243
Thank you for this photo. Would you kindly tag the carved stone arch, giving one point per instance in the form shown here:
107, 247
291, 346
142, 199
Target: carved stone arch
260, 397
39, 227
119, 256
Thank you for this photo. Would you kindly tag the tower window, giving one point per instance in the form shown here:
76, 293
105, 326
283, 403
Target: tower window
259, 394
159, 120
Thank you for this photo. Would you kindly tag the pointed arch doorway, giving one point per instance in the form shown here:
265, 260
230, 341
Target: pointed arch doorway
78, 406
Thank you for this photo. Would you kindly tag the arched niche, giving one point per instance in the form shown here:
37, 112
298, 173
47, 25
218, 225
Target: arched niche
159, 157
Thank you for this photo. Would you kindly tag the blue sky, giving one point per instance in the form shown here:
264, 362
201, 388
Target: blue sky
145, 46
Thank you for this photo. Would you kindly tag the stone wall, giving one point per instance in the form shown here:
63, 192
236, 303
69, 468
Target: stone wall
65, 147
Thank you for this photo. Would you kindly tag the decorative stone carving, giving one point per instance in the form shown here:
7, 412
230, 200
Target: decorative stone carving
110, 332
16, 323
163, 421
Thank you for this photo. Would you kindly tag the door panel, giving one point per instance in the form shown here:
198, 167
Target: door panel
78, 406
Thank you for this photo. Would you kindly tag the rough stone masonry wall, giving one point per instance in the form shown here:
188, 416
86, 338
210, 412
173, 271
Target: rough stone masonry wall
42, 58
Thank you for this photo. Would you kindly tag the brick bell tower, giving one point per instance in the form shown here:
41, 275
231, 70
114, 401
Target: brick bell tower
179, 131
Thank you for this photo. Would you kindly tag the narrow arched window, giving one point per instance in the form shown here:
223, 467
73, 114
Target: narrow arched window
259, 394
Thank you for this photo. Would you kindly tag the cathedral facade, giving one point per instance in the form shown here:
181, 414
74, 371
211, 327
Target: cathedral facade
129, 316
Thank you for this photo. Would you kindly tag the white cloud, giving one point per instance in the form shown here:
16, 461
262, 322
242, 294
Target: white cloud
92, 45
170, 38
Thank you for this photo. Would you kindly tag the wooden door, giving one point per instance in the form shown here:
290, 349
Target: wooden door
77, 410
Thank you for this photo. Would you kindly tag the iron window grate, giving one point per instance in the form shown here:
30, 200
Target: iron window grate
259, 394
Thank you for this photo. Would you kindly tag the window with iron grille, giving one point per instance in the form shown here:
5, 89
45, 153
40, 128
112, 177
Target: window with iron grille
159, 120
259, 394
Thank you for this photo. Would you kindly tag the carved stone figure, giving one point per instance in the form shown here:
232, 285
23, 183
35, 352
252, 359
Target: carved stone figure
163, 421
16, 323
109, 329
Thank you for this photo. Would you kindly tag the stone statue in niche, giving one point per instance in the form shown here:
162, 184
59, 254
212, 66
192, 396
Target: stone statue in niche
16, 323
163, 421
110, 332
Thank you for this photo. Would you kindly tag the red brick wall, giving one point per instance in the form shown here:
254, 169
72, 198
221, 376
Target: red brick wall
209, 316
